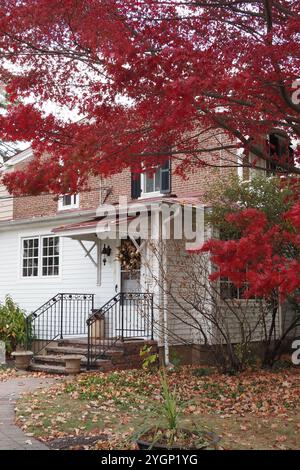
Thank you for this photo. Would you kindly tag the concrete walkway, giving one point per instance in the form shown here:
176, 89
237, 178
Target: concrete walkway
12, 437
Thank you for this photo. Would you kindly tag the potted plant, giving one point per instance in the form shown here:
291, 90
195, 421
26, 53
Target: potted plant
172, 436
14, 333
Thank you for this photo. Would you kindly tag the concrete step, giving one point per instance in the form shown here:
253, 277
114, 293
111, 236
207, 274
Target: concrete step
47, 368
61, 360
83, 343
74, 342
65, 350
49, 359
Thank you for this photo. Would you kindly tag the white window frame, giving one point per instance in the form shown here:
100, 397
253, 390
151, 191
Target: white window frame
40, 257
42, 238
23, 258
144, 193
74, 202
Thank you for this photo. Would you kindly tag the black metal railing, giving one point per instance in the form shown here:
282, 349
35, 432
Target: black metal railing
126, 315
63, 315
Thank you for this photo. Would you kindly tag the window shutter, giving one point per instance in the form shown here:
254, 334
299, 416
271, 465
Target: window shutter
282, 151
135, 185
165, 177
274, 153
291, 156
274, 145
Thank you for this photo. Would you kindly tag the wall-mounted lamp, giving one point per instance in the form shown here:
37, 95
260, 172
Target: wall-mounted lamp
106, 252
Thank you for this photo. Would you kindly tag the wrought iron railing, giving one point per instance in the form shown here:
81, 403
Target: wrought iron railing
63, 315
126, 315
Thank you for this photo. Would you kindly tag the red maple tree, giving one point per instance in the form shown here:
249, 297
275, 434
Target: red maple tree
153, 79
150, 78
265, 258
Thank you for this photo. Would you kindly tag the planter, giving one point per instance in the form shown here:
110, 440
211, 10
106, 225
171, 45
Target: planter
22, 359
73, 364
98, 329
210, 441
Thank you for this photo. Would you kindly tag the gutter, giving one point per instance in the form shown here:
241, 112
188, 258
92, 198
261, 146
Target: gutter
15, 223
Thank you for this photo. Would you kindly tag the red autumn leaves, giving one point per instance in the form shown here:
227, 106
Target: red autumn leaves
265, 257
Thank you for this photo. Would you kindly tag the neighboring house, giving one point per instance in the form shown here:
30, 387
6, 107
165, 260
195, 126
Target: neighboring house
67, 245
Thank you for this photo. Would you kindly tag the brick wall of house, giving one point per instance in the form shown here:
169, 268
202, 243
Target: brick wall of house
116, 186
27, 207
199, 179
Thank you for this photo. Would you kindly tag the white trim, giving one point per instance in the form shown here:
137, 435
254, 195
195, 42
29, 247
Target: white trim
150, 195
27, 153
64, 217
21, 259
42, 237
73, 205
145, 194
40, 275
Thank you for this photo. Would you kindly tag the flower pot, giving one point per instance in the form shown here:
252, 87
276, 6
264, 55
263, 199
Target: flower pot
73, 363
22, 359
210, 441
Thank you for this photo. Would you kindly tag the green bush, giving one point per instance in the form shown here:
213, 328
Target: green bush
150, 359
12, 325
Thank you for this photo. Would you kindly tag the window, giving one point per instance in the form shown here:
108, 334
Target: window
68, 201
281, 153
30, 255
151, 181
40, 256
157, 181
229, 291
50, 256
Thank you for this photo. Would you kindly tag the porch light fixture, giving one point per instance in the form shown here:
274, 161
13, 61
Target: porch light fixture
106, 252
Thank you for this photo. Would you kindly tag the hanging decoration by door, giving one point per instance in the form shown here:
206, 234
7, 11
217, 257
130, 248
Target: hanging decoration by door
129, 256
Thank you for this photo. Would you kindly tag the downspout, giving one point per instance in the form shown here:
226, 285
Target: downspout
163, 316
164, 284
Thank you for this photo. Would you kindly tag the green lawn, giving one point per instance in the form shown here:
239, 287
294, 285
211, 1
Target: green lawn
254, 410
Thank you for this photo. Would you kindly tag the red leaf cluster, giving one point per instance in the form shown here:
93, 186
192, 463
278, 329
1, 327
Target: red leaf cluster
146, 76
265, 258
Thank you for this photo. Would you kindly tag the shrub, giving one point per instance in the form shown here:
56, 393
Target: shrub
149, 359
12, 325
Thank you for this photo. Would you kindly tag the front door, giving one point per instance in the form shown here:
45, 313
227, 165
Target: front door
130, 280
130, 262
130, 284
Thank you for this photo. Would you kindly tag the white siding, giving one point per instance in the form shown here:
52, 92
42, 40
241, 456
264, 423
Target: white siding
77, 272
6, 204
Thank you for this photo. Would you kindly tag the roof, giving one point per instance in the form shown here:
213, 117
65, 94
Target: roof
92, 224
118, 214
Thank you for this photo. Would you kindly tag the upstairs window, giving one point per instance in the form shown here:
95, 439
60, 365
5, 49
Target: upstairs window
281, 153
153, 182
68, 201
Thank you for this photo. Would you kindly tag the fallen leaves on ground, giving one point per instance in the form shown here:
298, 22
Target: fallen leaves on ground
120, 403
7, 373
